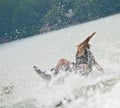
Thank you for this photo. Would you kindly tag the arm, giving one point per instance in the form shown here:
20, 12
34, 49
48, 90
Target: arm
98, 67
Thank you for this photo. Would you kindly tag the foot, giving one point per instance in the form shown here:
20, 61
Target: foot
38, 70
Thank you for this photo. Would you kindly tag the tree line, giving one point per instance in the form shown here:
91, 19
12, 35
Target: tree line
24, 18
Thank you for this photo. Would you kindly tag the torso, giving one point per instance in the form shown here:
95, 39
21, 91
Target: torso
86, 58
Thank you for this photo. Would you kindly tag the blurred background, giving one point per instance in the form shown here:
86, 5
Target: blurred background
24, 18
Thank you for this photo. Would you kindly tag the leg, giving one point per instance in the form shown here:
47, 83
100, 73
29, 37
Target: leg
60, 63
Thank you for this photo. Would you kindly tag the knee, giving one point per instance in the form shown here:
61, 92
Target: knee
62, 59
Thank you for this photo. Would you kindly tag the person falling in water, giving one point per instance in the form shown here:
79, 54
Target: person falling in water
84, 59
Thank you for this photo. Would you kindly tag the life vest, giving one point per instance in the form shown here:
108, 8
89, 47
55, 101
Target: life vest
86, 58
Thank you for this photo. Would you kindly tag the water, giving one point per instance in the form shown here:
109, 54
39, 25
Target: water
21, 87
